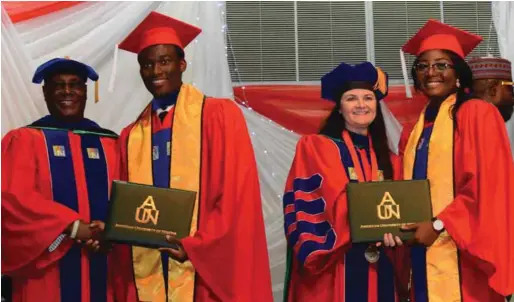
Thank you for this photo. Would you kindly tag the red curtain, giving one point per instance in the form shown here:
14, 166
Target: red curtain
300, 108
20, 11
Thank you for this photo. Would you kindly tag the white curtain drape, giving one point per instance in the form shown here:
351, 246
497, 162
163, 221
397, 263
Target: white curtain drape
89, 32
503, 17
274, 149
21, 102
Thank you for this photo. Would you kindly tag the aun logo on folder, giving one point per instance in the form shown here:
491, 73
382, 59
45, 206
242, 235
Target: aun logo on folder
376, 208
147, 212
143, 215
388, 208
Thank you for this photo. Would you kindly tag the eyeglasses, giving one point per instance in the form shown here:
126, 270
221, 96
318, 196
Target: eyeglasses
440, 67
508, 83
59, 86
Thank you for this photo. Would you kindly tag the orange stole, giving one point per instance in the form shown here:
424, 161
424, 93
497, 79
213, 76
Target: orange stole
442, 261
185, 174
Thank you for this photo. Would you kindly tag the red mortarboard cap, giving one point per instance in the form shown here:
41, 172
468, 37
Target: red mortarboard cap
437, 35
157, 29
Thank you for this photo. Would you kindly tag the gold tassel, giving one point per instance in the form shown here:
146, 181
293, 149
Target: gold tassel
381, 84
67, 57
97, 93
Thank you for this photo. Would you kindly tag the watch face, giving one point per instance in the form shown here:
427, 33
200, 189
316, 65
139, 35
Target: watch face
438, 225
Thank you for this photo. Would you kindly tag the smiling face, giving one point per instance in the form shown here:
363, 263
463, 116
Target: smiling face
161, 68
359, 109
436, 74
65, 96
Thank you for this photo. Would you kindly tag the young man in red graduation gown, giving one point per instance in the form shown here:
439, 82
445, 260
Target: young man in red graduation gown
460, 145
186, 140
56, 176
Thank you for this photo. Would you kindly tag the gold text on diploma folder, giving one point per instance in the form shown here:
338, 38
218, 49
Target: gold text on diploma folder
388, 208
147, 212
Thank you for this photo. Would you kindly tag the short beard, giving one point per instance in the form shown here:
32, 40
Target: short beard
506, 111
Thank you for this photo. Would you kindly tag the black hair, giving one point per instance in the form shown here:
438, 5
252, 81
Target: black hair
335, 124
463, 74
180, 52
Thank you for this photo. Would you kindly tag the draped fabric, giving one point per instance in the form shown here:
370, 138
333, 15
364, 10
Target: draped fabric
20, 11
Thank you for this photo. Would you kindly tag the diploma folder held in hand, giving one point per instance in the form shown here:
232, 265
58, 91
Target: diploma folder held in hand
376, 208
143, 215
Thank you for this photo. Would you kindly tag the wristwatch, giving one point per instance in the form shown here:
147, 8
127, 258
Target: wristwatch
438, 225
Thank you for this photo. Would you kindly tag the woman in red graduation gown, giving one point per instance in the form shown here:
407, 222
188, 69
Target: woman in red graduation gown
460, 145
323, 265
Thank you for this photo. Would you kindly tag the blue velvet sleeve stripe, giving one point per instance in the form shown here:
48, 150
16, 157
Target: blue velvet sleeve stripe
309, 184
309, 247
322, 229
319, 229
314, 207
288, 199
289, 218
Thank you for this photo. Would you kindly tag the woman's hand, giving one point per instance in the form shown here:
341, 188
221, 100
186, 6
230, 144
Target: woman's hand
390, 241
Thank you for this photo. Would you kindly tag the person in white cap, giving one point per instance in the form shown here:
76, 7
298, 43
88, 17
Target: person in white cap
492, 81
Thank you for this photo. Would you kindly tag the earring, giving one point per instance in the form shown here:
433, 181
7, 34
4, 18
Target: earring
458, 83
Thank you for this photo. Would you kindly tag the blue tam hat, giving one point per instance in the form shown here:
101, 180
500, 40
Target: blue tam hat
346, 77
57, 65
60, 65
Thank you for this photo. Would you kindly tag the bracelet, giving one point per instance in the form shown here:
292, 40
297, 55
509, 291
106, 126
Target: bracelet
75, 229
56, 243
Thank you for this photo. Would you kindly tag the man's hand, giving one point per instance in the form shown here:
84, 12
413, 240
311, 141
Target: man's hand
83, 231
177, 253
94, 242
424, 233
97, 227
